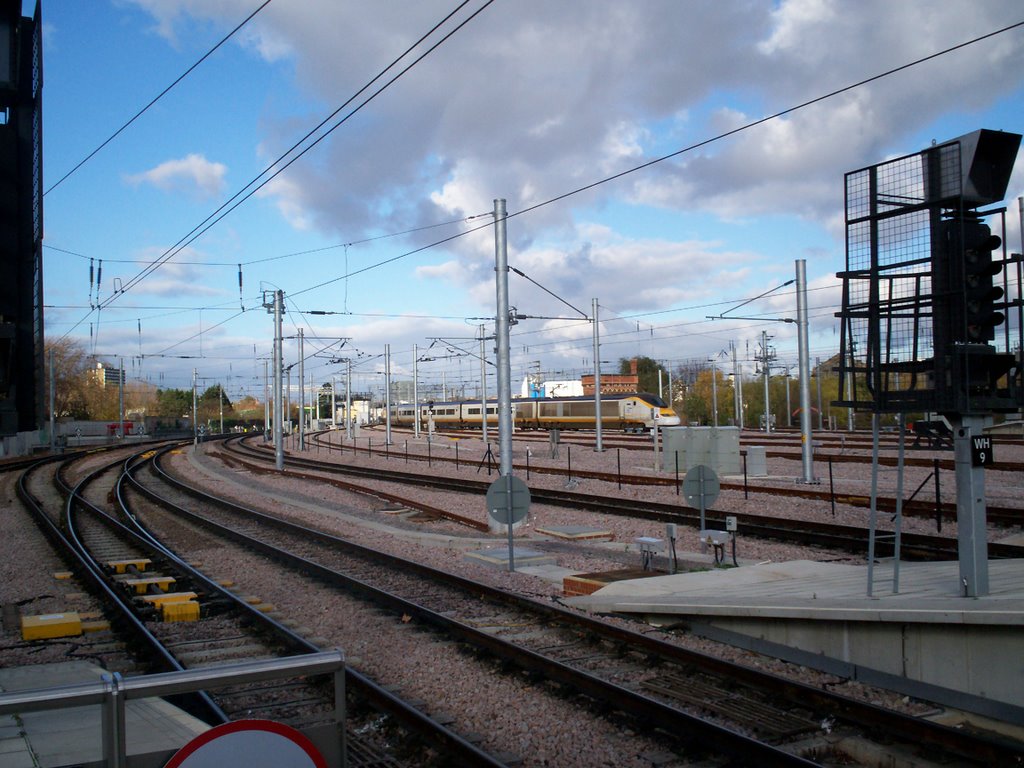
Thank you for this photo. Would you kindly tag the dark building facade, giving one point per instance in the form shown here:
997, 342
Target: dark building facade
22, 395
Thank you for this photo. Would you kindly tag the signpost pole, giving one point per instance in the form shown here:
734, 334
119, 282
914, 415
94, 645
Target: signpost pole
970, 457
504, 365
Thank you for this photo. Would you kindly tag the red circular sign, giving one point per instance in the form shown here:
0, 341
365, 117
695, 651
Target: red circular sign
252, 743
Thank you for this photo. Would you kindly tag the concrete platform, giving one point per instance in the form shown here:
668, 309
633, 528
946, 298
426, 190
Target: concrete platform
575, 532
927, 640
72, 736
522, 556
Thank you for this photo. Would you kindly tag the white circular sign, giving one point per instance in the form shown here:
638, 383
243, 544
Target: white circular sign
252, 743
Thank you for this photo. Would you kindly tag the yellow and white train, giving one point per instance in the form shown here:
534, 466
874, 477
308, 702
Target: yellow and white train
633, 412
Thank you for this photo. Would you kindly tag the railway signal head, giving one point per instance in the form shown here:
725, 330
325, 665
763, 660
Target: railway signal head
980, 294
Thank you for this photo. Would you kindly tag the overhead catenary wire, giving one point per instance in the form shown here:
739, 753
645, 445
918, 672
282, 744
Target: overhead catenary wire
255, 184
157, 98
682, 151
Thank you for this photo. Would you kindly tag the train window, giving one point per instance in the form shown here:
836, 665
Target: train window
578, 409
473, 411
492, 410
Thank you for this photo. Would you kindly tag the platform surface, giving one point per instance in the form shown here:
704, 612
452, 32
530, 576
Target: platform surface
72, 736
822, 591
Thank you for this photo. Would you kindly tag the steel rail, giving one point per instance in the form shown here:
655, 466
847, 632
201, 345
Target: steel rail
844, 537
862, 714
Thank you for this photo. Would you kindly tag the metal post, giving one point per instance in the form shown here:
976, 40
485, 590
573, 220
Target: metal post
334, 402
803, 336
789, 404
598, 446
113, 722
767, 369
821, 414
302, 392
387, 395
220, 392
483, 386
504, 365
195, 412
266, 401
972, 541
120, 399
415, 391
348, 399
278, 399
714, 392
53, 437
849, 398
737, 384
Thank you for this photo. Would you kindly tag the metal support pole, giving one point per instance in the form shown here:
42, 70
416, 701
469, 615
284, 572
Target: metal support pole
334, 402
278, 399
53, 436
195, 411
803, 336
348, 399
598, 446
821, 413
972, 539
387, 394
220, 393
120, 399
302, 392
113, 722
266, 401
737, 383
767, 370
714, 392
504, 365
415, 391
789, 404
483, 386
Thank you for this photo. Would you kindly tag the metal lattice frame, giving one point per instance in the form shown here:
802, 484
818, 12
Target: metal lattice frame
888, 360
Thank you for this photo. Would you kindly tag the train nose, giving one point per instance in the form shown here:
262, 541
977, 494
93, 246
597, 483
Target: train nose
668, 421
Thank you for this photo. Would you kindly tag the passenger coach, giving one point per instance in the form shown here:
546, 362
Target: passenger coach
632, 412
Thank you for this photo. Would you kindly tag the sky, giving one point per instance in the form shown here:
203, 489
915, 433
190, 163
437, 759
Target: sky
381, 233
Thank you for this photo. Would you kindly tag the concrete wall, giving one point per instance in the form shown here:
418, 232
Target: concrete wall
983, 661
715, 447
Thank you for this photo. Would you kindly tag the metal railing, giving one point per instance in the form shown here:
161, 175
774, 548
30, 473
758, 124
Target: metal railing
112, 692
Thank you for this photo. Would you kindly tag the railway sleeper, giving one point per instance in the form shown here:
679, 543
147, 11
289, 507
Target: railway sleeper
763, 717
220, 654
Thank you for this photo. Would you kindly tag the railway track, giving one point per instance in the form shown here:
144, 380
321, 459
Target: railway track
132, 576
995, 514
842, 538
774, 448
762, 719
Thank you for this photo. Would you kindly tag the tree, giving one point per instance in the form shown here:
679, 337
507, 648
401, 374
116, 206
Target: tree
324, 397
646, 371
701, 397
174, 403
71, 367
212, 401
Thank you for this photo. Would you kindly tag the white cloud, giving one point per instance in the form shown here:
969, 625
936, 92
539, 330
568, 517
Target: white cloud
193, 174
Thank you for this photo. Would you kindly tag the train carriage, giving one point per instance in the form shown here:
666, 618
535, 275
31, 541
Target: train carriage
621, 411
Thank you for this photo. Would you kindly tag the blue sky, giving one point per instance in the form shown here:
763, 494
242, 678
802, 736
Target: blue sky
528, 101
